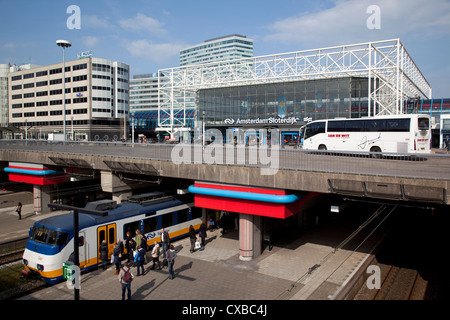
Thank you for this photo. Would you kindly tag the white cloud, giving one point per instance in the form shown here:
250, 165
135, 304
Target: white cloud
95, 22
143, 23
90, 41
159, 53
345, 22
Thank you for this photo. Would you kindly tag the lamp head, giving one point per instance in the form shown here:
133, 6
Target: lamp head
63, 43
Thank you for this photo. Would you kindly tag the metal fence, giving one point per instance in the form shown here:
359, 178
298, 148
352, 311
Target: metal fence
430, 166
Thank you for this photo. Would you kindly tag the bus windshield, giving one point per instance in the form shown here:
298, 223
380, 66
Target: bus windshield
423, 123
313, 129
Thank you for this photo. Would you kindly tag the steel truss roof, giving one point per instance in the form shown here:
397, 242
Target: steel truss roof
394, 77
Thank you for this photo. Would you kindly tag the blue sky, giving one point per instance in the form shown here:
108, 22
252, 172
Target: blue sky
148, 35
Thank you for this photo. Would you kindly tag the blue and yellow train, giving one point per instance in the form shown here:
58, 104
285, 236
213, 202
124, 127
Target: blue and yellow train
50, 241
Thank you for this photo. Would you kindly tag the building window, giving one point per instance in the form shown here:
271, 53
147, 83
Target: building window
80, 89
56, 71
79, 100
80, 111
79, 67
79, 78
41, 83
55, 81
41, 73
53, 92
15, 78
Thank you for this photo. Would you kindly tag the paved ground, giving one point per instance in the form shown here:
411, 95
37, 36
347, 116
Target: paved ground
216, 273
288, 272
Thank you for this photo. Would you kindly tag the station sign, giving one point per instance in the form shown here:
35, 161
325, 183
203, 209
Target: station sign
67, 271
85, 54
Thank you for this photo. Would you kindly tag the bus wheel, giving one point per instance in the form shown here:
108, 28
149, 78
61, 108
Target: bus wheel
322, 147
376, 152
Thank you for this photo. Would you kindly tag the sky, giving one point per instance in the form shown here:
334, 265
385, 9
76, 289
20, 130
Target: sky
149, 34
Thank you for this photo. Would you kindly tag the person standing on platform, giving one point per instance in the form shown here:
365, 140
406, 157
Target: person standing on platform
202, 234
117, 255
19, 210
171, 255
125, 278
192, 237
140, 259
165, 240
138, 239
155, 255
104, 254
130, 245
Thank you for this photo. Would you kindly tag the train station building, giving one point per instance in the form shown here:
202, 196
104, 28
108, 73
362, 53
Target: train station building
284, 91
267, 99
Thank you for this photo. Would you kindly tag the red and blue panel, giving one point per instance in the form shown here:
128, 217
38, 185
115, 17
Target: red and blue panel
273, 203
34, 174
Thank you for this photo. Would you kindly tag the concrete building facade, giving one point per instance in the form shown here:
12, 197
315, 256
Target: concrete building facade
96, 100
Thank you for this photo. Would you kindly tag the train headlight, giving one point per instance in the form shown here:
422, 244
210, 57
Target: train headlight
25, 262
40, 267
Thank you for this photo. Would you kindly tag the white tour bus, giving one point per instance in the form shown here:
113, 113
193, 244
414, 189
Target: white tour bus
409, 133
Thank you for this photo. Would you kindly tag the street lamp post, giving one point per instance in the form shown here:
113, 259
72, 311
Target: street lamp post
64, 44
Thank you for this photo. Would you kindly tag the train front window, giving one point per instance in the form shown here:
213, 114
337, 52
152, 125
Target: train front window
52, 237
41, 234
48, 236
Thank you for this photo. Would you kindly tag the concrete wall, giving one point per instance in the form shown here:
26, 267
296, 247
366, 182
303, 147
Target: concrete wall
384, 187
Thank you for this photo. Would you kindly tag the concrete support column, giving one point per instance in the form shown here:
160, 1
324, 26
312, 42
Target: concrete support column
41, 196
249, 236
121, 196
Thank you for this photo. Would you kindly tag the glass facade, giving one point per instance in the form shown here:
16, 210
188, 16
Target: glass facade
283, 104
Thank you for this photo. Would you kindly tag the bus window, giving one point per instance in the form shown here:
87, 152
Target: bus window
398, 125
423, 123
354, 126
336, 126
314, 128
375, 125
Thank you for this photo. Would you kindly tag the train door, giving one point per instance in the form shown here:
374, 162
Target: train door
107, 233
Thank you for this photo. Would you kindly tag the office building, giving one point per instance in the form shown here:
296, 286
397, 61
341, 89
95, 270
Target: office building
225, 48
96, 100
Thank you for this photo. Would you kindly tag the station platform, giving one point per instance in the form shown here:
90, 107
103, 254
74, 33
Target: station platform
304, 268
